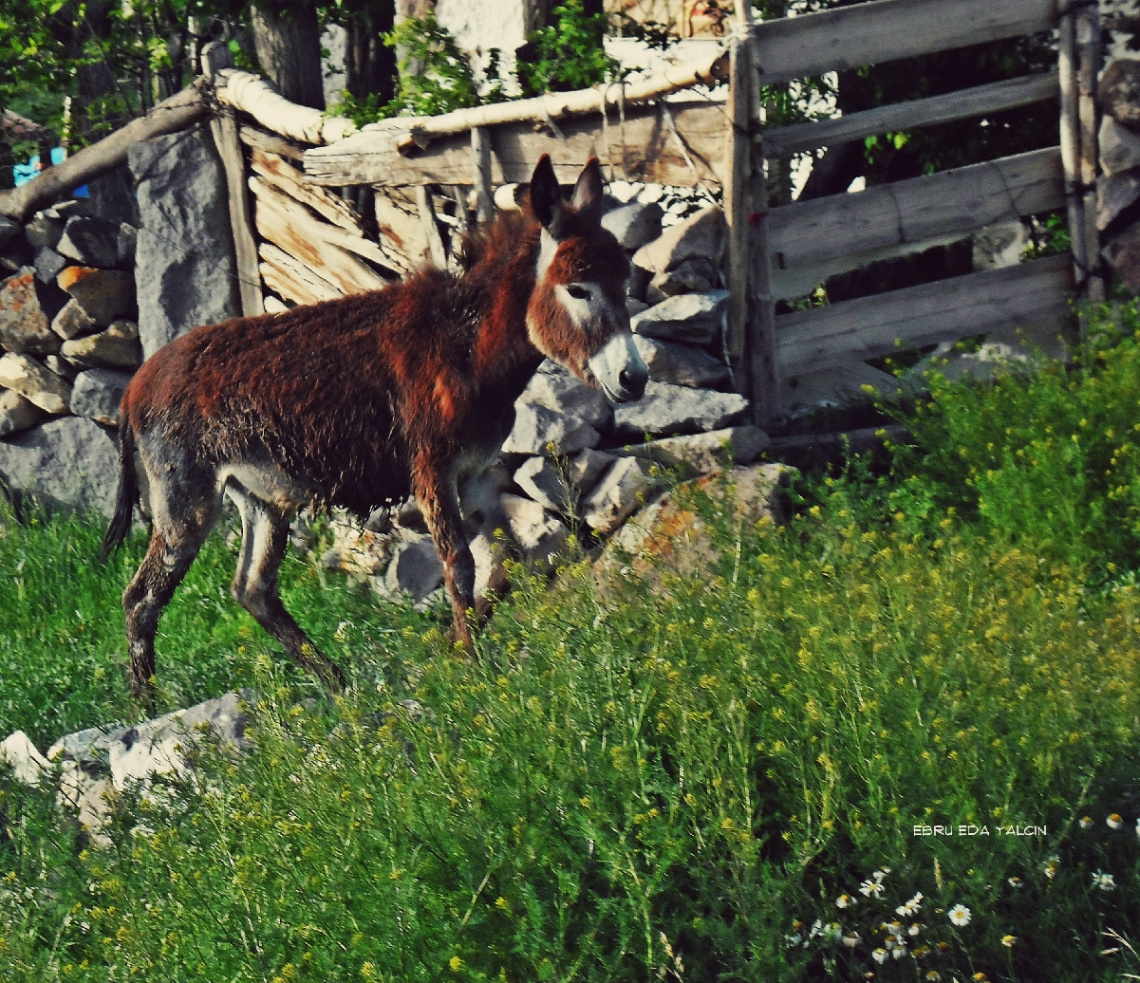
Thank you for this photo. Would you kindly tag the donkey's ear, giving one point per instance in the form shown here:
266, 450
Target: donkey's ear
588, 191
546, 196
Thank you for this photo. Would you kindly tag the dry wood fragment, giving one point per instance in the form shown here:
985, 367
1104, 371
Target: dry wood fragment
293, 280
286, 224
282, 175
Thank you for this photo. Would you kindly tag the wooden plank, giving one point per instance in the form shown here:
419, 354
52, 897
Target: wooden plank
286, 224
291, 181
291, 279
814, 239
963, 104
310, 226
1089, 47
270, 143
887, 30
399, 231
223, 128
1071, 145
481, 161
737, 206
649, 150
946, 310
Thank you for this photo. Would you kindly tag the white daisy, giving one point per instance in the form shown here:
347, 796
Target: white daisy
959, 915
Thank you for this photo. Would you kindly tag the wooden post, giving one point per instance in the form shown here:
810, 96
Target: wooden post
215, 57
1089, 53
1071, 147
751, 340
484, 193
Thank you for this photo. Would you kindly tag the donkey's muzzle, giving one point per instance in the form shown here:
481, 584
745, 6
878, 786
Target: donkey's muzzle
632, 381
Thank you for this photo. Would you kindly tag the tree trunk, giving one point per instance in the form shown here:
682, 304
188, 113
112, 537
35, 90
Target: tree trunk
370, 65
288, 47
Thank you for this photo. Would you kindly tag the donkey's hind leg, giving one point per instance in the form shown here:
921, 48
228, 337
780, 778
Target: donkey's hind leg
264, 536
173, 547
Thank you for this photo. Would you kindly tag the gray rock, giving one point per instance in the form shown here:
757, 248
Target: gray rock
164, 745
704, 452
25, 320
116, 347
1118, 91
1123, 254
695, 275
1119, 147
1114, 194
666, 410
622, 490
96, 394
48, 264
18, 412
557, 414
24, 758
546, 482
104, 294
73, 321
128, 240
635, 224
541, 430
44, 230
694, 318
682, 365
415, 569
61, 366
701, 235
91, 241
35, 382
8, 230
184, 264
71, 463
561, 390
540, 536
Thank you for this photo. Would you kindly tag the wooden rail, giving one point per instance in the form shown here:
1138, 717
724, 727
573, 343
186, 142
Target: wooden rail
946, 310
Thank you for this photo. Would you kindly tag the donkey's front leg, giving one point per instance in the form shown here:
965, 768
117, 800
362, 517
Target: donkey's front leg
439, 502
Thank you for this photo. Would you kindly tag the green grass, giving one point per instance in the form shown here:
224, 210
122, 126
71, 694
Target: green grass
717, 779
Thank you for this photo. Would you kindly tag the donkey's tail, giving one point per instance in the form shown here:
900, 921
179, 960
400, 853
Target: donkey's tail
128, 493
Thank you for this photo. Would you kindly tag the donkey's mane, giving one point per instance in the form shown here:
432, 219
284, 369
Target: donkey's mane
494, 243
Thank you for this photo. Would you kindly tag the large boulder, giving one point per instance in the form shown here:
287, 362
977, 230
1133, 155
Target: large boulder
704, 234
115, 348
26, 312
70, 462
682, 365
666, 410
184, 266
693, 318
104, 294
96, 394
557, 414
32, 380
92, 241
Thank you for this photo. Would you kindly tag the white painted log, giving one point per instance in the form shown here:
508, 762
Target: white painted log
254, 95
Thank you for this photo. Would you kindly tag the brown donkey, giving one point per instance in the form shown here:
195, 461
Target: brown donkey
362, 400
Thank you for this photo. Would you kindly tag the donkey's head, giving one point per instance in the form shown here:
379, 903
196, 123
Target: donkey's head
577, 314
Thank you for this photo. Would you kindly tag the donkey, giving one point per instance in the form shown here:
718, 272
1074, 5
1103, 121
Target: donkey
362, 400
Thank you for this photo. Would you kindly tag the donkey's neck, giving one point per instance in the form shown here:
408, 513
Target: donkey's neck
504, 357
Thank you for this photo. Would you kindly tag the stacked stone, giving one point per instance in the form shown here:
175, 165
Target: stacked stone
69, 341
1118, 187
573, 461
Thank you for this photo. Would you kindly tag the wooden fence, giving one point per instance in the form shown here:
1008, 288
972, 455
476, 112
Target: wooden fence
785, 252
296, 235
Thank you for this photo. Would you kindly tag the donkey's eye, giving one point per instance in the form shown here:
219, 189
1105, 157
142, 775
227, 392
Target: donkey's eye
578, 292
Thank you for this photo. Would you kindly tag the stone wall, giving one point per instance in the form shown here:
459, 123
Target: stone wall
86, 299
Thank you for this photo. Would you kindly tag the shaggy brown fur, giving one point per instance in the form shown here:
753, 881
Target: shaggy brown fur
359, 401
